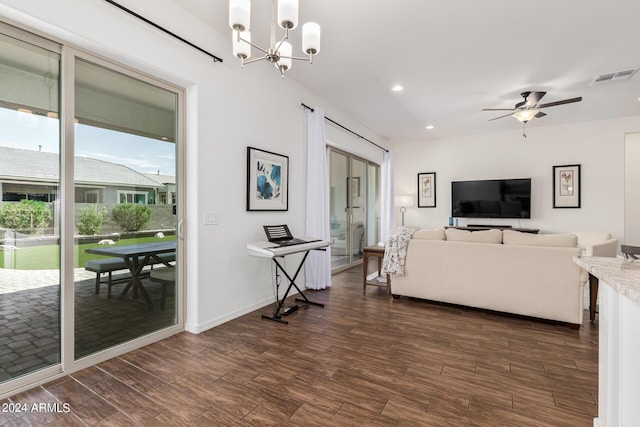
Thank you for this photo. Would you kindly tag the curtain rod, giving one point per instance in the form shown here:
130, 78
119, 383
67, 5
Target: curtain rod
347, 129
131, 12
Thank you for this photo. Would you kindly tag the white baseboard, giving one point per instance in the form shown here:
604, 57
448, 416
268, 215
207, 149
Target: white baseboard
195, 328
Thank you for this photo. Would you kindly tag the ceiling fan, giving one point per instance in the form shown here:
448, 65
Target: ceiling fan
529, 108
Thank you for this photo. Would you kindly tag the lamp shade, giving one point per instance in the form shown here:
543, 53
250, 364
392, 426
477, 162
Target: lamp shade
242, 49
311, 38
240, 15
403, 201
288, 14
285, 56
525, 115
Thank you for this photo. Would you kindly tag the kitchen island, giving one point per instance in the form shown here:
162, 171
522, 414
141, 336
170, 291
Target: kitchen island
619, 339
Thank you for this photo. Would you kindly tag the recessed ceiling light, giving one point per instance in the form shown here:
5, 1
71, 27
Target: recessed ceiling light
429, 127
397, 88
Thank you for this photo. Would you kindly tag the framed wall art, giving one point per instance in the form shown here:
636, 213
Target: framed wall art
566, 186
267, 180
353, 193
427, 190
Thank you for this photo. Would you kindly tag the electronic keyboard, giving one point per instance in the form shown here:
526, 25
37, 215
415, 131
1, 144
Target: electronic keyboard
270, 249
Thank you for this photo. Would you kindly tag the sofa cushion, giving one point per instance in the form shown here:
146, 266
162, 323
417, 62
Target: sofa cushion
424, 234
511, 237
484, 236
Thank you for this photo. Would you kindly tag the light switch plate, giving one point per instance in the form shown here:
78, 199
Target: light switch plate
211, 218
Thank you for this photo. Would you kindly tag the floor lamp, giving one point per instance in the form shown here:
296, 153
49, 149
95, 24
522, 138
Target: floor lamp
402, 202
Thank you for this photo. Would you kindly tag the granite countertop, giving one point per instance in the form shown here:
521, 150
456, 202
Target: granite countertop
620, 274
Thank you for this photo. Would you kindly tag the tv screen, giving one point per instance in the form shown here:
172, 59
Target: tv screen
497, 198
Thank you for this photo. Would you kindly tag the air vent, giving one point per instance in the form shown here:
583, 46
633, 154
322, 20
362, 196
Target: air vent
613, 77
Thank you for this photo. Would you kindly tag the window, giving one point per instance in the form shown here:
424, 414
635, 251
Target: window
138, 197
92, 196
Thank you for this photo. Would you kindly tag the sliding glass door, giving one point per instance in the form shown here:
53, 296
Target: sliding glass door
90, 208
354, 207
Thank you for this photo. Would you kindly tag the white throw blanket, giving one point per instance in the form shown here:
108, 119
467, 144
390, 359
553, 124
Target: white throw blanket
395, 251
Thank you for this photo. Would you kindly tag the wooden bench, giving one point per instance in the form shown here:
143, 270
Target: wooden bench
109, 265
166, 276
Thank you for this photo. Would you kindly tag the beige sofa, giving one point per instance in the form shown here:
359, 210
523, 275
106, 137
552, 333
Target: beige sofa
520, 273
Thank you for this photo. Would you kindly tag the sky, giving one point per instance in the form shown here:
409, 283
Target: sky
144, 155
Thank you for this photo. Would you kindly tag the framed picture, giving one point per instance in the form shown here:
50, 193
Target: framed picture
566, 186
353, 192
427, 190
267, 181
355, 186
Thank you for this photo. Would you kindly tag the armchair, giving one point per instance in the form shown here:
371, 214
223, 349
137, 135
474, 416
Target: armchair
597, 243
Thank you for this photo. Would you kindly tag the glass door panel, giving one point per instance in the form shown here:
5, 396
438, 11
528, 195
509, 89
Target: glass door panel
373, 205
125, 224
339, 208
29, 211
358, 205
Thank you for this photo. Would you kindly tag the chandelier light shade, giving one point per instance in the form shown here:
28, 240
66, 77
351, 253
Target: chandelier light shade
285, 56
284, 14
241, 50
240, 15
311, 38
288, 14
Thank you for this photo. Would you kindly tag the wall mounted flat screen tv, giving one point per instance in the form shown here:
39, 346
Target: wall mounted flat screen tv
497, 198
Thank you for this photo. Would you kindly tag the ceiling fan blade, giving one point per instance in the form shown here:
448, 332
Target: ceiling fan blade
496, 118
564, 101
498, 109
540, 114
533, 98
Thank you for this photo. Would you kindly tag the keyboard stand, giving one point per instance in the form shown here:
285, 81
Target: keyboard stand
277, 316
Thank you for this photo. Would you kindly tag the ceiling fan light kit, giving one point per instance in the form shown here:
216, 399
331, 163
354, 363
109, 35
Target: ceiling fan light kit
529, 108
279, 52
525, 115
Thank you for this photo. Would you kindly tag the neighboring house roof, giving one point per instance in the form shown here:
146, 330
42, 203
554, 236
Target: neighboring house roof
162, 179
29, 165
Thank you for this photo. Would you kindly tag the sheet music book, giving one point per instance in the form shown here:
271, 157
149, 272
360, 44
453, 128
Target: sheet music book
281, 235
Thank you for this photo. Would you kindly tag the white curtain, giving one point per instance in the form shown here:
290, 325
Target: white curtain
317, 269
387, 211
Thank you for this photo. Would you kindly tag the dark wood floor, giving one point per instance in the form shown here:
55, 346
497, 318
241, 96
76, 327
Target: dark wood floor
361, 360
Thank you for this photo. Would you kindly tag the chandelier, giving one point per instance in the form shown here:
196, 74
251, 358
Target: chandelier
279, 51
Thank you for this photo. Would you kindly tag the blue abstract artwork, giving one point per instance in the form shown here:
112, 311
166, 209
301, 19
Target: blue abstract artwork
268, 180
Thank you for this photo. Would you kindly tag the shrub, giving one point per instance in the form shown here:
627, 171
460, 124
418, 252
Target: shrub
131, 217
91, 220
28, 216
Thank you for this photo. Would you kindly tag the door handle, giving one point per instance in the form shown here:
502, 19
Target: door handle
181, 228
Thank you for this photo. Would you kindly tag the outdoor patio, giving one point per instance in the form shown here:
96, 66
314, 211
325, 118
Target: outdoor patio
29, 318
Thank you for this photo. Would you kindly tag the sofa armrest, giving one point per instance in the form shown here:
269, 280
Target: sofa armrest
608, 248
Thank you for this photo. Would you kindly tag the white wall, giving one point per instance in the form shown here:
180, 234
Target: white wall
632, 190
228, 109
598, 146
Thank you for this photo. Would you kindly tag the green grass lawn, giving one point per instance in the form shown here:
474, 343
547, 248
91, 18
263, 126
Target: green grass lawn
47, 257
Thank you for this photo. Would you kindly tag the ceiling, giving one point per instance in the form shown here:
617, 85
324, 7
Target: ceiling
455, 58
